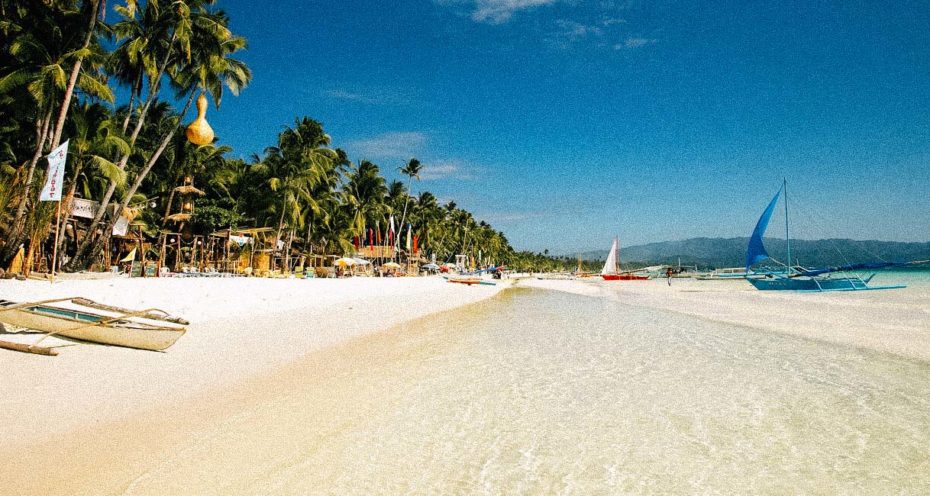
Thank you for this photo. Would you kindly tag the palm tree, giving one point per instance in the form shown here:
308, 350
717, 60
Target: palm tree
189, 160
292, 169
412, 170
201, 44
363, 196
93, 8
94, 136
38, 57
322, 212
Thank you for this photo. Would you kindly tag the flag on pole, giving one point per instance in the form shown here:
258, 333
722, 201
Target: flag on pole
391, 231
408, 237
416, 240
56, 174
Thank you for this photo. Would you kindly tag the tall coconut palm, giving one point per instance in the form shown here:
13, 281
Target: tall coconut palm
426, 215
363, 196
293, 168
201, 44
40, 55
92, 9
94, 137
152, 35
412, 170
321, 213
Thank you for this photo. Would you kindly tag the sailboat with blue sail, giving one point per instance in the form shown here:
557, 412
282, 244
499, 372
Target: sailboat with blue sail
839, 278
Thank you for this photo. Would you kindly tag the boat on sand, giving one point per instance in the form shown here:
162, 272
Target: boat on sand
791, 278
470, 280
149, 329
611, 270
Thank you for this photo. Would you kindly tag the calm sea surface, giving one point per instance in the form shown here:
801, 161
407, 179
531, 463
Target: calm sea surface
538, 392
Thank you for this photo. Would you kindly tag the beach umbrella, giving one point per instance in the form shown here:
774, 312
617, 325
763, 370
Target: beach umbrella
361, 261
391, 265
430, 266
344, 262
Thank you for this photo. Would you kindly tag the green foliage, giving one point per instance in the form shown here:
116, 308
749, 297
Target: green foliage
213, 215
310, 192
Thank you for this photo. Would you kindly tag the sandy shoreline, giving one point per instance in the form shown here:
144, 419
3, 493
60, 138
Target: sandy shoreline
240, 328
891, 321
111, 420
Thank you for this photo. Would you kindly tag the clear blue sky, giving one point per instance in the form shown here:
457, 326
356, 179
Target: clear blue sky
566, 122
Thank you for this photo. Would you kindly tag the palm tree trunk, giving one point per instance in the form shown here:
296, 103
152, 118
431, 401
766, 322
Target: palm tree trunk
16, 234
403, 219
42, 125
280, 224
81, 257
87, 250
136, 90
67, 206
164, 219
287, 251
75, 71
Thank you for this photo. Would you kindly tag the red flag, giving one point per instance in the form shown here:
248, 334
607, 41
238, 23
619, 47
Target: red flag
355, 242
416, 239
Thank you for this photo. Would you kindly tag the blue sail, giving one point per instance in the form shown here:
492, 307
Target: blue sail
755, 252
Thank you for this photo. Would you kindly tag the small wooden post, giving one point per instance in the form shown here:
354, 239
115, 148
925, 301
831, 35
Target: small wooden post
55, 248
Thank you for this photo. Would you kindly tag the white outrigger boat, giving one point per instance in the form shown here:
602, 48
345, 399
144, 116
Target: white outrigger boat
150, 329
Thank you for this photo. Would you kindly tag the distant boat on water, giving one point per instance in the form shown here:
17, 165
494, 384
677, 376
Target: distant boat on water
611, 270
839, 278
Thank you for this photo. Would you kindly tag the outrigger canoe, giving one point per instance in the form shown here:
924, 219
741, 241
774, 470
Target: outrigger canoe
470, 281
149, 329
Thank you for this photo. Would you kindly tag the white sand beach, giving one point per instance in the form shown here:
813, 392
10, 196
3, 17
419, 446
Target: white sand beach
240, 328
99, 419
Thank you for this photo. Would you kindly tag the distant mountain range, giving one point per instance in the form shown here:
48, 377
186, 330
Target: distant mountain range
731, 252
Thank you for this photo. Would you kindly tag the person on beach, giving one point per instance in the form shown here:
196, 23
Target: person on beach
668, 274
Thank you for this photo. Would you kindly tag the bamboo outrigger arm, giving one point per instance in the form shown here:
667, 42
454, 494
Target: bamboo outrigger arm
151, 313
28, 348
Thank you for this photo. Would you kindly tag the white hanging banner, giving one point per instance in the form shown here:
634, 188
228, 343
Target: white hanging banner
55, 178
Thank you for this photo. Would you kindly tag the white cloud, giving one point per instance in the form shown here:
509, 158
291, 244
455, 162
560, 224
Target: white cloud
610, 21
373, 97
496, 11
575, 30
446, 169
632, 43
402, 145
504, 217
348, 95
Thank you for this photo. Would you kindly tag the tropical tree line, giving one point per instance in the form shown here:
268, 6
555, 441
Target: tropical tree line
62, 63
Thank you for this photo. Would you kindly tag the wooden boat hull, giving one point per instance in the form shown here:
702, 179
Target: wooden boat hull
468, 282
83, 326
815, 284
624, 277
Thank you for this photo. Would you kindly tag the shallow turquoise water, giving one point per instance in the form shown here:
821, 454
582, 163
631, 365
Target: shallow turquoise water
538, 392
916, 278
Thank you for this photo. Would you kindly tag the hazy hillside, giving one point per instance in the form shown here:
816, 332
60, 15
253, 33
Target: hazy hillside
731, 252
